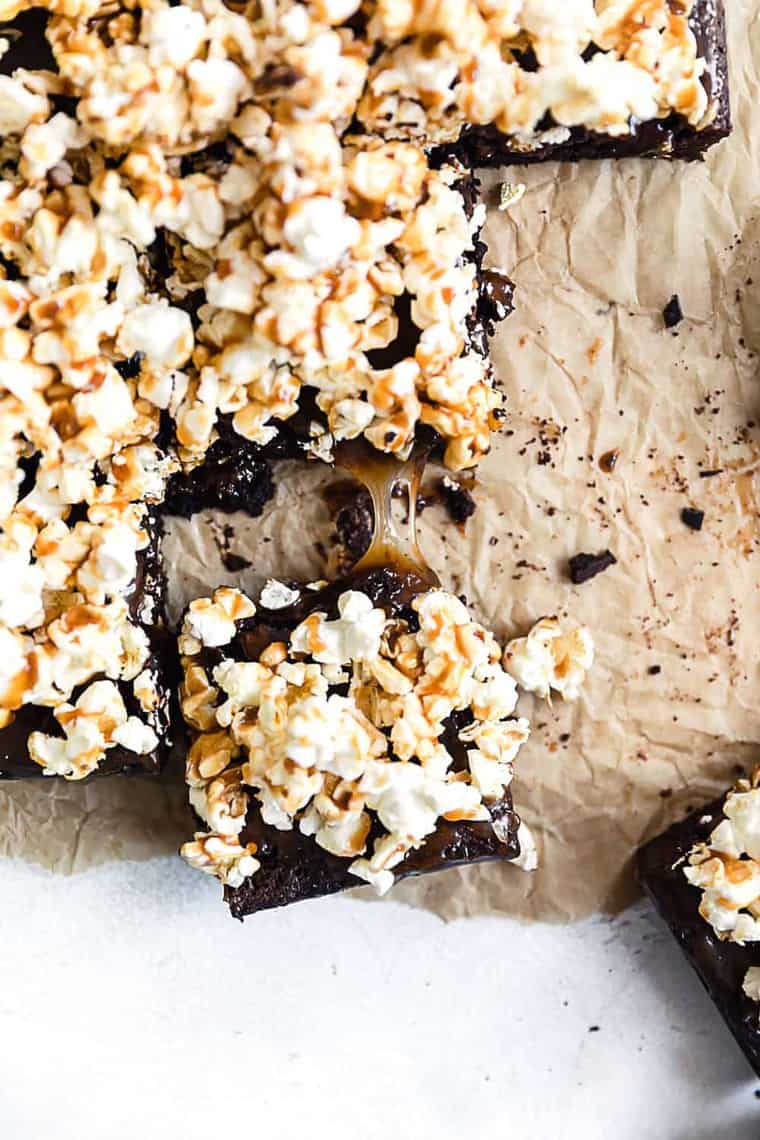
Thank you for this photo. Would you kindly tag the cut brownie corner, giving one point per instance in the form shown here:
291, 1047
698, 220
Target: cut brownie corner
722, 965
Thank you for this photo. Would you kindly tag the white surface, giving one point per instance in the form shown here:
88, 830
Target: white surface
132, 1006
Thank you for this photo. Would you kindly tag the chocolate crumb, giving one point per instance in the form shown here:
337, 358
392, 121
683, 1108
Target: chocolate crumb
672, 313
354, 524
129, 369
653, 670
711, 473
234, 562
593, 1028
692, 518
457, 499
586, 566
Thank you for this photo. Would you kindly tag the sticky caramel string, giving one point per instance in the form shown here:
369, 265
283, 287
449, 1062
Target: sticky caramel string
393, 543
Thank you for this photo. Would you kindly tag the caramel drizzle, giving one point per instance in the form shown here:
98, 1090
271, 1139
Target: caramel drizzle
394, 542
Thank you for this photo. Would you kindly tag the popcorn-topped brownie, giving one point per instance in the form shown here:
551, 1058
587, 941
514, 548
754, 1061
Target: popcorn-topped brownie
370, 740
365, 731
703, 875
157, 305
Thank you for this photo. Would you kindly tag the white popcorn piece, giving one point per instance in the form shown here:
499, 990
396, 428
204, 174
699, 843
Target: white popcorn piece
211, 621
221, 856
163, 334
355, 634
277, 596
751, 983
550, 659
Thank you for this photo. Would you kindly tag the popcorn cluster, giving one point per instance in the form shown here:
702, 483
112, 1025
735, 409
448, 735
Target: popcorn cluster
344, 732
726, 868
78, 464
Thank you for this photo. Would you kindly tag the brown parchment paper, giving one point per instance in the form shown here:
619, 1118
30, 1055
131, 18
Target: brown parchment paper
671, 707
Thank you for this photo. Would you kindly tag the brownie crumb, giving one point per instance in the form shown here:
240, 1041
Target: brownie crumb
496, 299
653, 670
672, 313
457, 500
355, 524
231, 478
586, 566
692, 518
234, 562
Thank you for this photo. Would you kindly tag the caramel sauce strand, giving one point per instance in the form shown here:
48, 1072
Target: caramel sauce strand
393, 543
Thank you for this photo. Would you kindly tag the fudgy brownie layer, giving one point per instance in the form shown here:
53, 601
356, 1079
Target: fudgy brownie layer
293, 866
720, 965
670, 138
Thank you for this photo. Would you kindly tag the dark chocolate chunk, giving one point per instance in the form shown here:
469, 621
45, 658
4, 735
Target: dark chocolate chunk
672, 314
608, 461
129, 369
496, 299
692, 518
586, 566
28, 46
721, 965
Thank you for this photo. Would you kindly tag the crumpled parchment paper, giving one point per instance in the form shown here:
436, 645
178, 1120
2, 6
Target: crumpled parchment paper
673, 703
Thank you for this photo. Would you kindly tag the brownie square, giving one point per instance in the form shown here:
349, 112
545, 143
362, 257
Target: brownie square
291, 865
721, 965
145, 601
